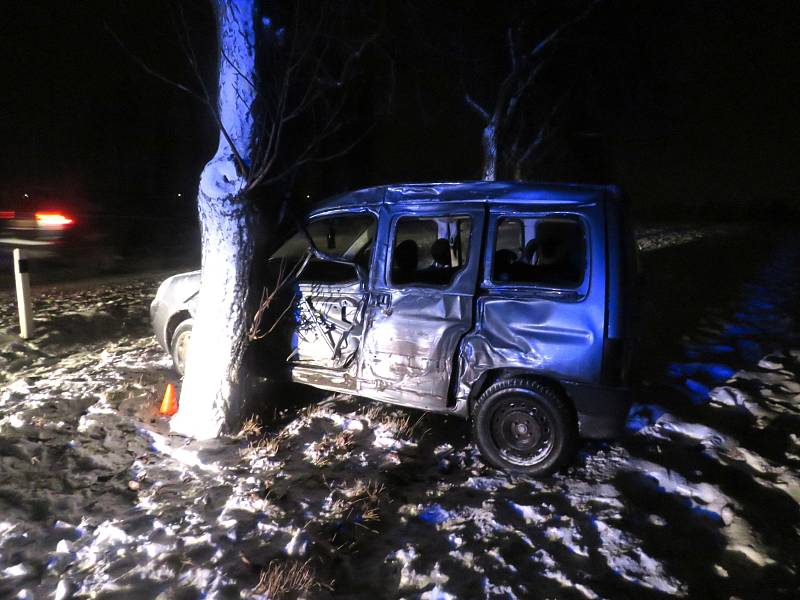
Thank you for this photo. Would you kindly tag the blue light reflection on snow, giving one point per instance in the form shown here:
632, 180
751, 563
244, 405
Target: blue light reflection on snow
754, 316
715, 372
698, 393
434, 514
643, 415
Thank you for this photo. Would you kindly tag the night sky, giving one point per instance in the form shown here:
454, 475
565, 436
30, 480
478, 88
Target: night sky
692, 103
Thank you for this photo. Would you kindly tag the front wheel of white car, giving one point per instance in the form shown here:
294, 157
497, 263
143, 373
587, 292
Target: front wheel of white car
524, 426
179, 346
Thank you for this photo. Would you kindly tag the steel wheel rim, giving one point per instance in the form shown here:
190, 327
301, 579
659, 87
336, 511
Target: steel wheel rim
521, 431
181, 347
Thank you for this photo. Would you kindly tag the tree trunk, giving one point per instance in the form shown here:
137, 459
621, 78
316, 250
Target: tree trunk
489, 143
212, 396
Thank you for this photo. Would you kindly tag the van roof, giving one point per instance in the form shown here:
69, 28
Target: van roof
479, 191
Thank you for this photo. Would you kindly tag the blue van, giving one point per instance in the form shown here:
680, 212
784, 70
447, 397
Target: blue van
505, 303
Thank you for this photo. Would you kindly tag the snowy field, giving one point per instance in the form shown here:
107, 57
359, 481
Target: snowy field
339, 497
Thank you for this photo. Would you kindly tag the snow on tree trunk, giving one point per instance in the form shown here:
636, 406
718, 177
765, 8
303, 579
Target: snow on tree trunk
489, 142
212, 395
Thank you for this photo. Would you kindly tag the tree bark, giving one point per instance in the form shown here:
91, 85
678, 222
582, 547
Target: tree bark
489, 144
212, 396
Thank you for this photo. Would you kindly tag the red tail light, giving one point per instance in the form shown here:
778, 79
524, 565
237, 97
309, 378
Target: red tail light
52, 218
7, 214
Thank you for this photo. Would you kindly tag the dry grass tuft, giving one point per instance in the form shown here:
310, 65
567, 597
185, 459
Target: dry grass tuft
365, 498
371, 514
375, 413
266, 446
329, 447
399, 422
271, 445
250, 428
316, 410
284, 577
370, 490
343, 441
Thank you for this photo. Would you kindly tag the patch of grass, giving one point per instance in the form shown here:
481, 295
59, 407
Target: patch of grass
250, 428
364, 499
330, 446
374, 413
401, 423
315, 410
265, 446
343, 441
283, 578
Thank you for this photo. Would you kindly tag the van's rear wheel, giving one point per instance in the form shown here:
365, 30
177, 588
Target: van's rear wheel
524, 426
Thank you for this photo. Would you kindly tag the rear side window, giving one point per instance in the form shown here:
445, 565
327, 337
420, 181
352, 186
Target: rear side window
429, 250
547, 251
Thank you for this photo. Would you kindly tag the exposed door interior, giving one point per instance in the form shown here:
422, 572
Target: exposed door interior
327, 310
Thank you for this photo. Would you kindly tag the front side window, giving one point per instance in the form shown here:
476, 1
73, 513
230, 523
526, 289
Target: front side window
349, 237
429, 250
547, 251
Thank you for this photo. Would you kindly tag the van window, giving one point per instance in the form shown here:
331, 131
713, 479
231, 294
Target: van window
343, 236
430, 250
541, 251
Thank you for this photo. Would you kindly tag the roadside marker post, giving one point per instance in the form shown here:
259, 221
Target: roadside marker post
23, 283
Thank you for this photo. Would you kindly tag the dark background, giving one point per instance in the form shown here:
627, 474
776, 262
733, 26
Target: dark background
691, 106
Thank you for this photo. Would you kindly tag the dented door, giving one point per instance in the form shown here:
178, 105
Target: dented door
420, 306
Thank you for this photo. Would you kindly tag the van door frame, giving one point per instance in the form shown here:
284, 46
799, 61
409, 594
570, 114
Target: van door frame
415, 385
352, 294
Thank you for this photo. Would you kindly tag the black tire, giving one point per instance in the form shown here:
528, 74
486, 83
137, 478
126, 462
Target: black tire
524, 426
179, 344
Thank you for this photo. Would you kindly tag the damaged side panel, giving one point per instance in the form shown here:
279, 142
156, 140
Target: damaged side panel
408, 356
536, 335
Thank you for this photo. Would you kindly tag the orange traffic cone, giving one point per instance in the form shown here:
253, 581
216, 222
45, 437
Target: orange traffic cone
169, 405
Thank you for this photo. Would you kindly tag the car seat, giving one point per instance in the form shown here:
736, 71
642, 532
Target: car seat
440, 252
406, 258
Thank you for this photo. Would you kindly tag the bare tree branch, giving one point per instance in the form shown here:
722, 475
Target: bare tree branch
284, 278
472, 103
149, 70
543, 133
501, 126
306, 62
512, 51
556, 33
207, 98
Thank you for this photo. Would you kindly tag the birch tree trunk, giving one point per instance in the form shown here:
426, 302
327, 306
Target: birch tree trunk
213, 389
489, 144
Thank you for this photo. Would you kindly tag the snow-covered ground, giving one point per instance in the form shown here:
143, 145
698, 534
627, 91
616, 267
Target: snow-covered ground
344, 497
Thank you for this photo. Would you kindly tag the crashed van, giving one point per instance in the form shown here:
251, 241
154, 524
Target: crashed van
508, 304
